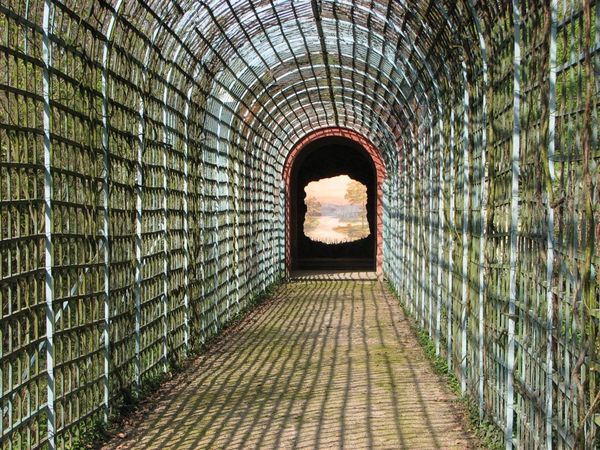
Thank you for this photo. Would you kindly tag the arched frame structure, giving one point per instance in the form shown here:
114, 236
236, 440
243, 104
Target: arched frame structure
380, 173
142, 147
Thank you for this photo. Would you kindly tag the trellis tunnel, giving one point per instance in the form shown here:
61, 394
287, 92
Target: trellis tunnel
146, 149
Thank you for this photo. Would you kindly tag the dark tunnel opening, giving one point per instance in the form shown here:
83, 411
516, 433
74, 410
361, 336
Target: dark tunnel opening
326, 158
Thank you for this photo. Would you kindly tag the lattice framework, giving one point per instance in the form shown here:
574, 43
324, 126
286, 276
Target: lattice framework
142, 145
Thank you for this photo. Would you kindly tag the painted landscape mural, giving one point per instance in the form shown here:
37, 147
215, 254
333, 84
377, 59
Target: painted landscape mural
336, 210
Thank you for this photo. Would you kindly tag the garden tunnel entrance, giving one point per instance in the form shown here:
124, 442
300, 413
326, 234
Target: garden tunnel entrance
322, 157
142, 147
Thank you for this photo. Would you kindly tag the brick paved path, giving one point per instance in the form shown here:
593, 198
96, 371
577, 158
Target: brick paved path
323, 364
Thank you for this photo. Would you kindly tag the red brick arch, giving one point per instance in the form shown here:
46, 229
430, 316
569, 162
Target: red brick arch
380, 173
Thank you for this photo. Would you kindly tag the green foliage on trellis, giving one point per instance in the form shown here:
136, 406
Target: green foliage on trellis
169, 127
574, 288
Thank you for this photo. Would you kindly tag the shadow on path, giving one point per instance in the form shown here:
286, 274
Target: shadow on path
329, 362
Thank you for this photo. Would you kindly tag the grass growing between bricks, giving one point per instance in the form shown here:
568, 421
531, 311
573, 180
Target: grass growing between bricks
488, 434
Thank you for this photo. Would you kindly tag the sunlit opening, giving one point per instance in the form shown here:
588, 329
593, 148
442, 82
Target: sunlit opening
336, 210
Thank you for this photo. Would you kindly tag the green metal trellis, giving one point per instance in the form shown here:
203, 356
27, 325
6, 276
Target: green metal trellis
142, 201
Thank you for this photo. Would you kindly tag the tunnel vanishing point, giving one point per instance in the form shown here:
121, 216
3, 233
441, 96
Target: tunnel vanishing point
149, 155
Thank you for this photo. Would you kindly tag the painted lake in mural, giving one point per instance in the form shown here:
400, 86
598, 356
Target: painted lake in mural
336, 210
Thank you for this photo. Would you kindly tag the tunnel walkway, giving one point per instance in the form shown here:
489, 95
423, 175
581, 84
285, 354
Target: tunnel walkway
323, 363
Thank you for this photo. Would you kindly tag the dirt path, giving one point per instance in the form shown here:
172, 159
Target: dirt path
324, 364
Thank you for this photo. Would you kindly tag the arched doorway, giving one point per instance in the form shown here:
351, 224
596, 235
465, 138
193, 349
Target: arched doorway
323, 154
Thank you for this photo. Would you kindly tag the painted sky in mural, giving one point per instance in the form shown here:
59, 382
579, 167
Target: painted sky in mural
336, 210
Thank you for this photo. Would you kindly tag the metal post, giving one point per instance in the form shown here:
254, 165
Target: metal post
139, 216
215, 201
139, 193
186, 225
514, 223
440, 242
484, 205
409, 198
261, 216
482, 240
404, 214
430, 228
413, 230
223, 208
48, 250
235, 194
421, 234
419, 244
550, 223
106, 209
282, 229
201, 238
165, 231
166, 252
452, 228
465, 232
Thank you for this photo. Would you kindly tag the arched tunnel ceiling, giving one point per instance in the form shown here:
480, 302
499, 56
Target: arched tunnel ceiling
280, 69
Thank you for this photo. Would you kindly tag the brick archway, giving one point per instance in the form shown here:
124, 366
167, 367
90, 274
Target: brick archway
380, 174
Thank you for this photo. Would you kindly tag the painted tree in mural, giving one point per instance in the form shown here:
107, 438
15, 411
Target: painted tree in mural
313, 211
356, 194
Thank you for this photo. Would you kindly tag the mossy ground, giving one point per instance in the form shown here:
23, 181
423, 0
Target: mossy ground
321, 364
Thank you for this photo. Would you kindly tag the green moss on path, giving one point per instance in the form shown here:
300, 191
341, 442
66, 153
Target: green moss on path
323, 364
